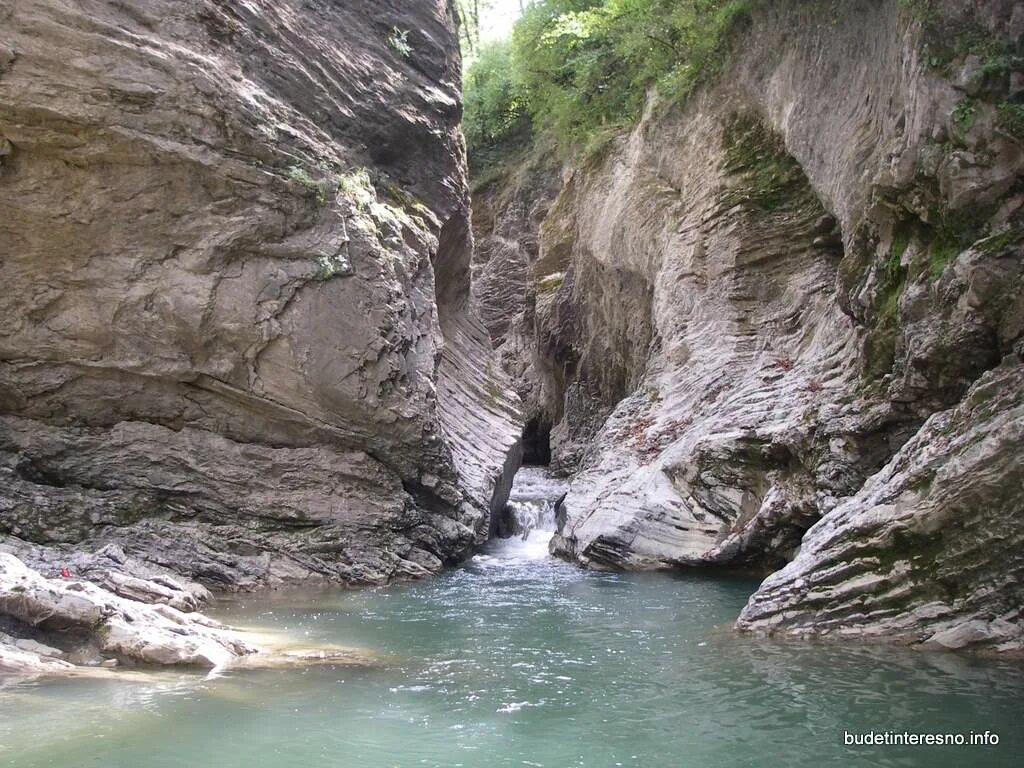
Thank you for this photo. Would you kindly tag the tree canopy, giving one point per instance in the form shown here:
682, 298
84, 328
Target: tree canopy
574, 68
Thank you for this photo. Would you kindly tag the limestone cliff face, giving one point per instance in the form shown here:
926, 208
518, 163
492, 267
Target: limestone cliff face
929, 549
236, 336
756, 301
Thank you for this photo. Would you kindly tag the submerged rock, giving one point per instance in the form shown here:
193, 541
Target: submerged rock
237, 339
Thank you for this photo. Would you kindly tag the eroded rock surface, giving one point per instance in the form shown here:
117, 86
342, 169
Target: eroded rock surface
235, 333
110, 568
69, 626
120, 628
27, 658
744, 309
931, 549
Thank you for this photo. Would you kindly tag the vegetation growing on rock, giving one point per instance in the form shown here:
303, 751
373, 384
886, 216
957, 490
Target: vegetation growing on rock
766, 177
812, 256
581, 69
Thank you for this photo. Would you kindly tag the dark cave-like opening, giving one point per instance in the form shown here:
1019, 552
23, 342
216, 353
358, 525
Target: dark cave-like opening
537, 442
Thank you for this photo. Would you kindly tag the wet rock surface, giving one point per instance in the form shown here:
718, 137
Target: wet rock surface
94, 620
237, 342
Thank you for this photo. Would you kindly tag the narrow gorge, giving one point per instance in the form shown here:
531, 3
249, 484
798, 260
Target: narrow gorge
361, 363
791, 306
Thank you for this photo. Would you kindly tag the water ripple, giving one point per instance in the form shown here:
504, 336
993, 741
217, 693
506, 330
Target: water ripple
518, 659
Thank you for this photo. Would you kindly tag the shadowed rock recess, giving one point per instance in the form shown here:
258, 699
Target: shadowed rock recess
236, 342
782, 323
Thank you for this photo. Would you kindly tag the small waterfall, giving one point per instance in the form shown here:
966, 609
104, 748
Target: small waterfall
530, 522
528, 515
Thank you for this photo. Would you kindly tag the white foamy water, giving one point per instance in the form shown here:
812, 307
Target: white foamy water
532, 510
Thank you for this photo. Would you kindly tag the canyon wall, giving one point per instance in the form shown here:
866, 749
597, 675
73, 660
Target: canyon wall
780, 326
236, 339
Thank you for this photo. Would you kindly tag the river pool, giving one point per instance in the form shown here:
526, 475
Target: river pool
519, 660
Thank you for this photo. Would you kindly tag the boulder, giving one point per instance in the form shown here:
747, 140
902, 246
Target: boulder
118, 626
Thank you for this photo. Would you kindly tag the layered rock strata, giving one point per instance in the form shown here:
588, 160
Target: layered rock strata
119, 627
236, 339
743, 310
68, 626
930, 549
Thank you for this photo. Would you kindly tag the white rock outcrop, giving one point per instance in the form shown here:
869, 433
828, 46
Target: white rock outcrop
119, 627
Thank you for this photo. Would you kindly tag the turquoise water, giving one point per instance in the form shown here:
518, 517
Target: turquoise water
518, 660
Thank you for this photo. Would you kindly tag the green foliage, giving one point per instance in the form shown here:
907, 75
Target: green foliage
893, 274
766, 177
923, 10
600, 141
947, 39
1010, 116
581, 70
320, 188
587, 64
372, 210
963, 115
900, 243
300, 175
399, 42
953, 233
1002, 63
357, 186
880, 344
942, 250
331, 266
940, 243
995, 243
496, 118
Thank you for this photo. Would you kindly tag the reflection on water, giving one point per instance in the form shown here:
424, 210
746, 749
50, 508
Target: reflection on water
517, 659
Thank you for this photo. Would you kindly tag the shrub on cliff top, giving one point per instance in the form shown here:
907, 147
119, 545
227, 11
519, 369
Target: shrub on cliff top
496, 116
580, 67
590, 64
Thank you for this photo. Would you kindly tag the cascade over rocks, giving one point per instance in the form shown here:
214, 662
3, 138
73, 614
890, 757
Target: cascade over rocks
782, 324
237, 340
